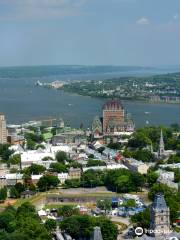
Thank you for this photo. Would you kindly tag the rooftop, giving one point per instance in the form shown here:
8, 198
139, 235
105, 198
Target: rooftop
113, 105
159, 201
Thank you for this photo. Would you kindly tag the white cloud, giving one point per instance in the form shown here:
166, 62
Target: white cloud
18, 9
176, 17
143, 21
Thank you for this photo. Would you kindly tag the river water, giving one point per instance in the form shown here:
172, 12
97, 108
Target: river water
21, 100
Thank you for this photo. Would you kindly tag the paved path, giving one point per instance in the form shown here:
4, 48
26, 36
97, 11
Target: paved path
125, 221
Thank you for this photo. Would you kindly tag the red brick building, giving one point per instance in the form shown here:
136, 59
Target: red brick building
114, 118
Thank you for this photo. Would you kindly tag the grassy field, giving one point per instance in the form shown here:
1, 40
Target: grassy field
40, 198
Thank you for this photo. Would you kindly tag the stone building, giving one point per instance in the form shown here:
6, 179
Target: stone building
159, 216
74, 173
136, 166
97, 234
97, 127
114, 121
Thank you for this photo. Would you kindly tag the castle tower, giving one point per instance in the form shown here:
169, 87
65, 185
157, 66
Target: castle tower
159, 216
113, 115
161, 150
97, 234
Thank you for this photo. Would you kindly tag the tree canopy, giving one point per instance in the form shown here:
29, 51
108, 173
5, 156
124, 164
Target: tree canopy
47, 181
22, 223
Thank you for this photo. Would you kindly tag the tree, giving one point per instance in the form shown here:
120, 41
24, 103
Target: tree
174, 159
3, 194
92, 178
61, 157
143, 155
175, 127
92, 162
47, 181
5, 152
138, 181
91, 156
47, 158
101, 149
71, 226
72, 183
159, 187
74, 164
108, 228
6, 217
22, 223
104, 204
58, 167
30, 144
123, 180
15, 159
142, 219
130, 203
116, 146
34, 169
139, 140
68, 211
123, 184
81, 227
16, 190
50, 224
40, 146
151, 178
14, 193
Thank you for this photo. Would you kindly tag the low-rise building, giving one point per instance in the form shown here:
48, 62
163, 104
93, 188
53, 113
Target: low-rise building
2, 181
108, 167
74, 173
13, 178
35, 178
15, 139
136, 166
63, 177
27, 194
167, 178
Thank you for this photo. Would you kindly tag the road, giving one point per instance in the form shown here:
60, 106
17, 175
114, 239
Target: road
125, 221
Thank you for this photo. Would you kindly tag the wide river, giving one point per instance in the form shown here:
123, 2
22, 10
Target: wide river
21, 100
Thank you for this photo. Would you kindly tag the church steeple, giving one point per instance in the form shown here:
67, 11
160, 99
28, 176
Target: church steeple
161, 146
159, 215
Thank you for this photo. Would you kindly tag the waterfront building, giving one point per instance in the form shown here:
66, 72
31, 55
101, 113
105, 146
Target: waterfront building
3, 130
113, 116
159, 216
115, 121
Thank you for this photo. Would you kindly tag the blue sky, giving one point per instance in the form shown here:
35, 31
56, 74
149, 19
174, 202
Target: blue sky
120, 32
